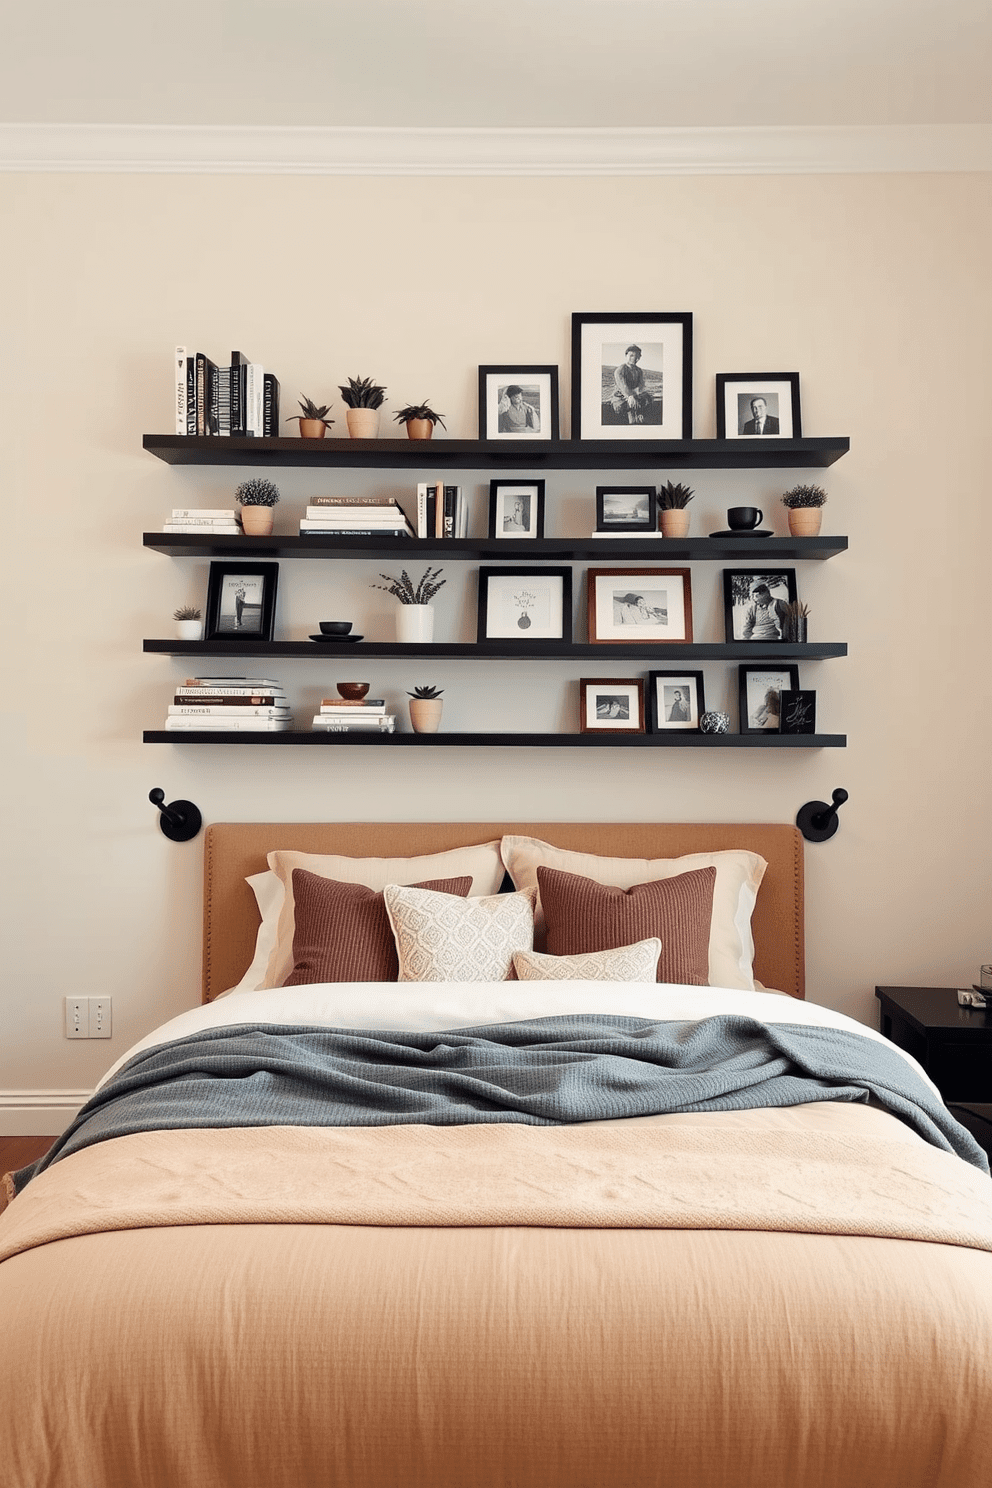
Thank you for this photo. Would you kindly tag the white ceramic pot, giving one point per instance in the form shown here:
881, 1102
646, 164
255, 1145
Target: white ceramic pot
415, 624
257, 520
189, 630
425, 714
363, 423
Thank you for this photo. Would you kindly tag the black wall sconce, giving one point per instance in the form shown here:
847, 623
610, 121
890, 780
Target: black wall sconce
817, 821
180, 820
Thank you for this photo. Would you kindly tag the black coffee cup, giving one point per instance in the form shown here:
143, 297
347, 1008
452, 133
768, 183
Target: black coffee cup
744, 518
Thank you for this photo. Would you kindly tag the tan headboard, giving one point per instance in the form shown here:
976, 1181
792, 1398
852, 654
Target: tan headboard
233, 850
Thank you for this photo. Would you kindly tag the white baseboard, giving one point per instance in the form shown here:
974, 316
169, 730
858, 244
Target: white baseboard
39, 1113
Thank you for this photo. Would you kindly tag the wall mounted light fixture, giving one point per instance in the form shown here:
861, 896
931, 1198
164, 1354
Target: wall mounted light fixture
817, 821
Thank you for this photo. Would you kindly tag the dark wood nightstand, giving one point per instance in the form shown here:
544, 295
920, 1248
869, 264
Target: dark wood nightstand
953, 1044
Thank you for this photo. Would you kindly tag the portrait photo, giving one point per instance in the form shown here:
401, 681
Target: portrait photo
241, 601
755, 603
632, 376
675, 702
758, 405
626, 509
614, 704
639, 604
760, 696
525, 604
516, 508
518, 402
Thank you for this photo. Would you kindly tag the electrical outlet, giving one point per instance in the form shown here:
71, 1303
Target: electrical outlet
77, 1017
101, 1017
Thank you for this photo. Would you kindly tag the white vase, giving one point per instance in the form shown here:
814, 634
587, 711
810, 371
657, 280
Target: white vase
415, 624
189, 630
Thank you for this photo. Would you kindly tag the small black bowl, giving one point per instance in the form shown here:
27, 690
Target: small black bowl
335, 627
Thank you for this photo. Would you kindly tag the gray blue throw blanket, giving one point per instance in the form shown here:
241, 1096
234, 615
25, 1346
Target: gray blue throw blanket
542, 1071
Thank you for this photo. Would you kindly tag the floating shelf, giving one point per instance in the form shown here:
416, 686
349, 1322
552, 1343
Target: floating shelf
646, 653
491, 454
504, 741
534, 550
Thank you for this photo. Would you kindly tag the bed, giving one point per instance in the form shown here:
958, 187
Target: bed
603, 1227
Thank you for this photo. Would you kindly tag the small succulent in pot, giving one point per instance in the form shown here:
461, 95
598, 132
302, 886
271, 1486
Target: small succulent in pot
258, 492
317, 413
406, 592
186, 612
804, 496
362, 392
426, 693
419, 413
674, 497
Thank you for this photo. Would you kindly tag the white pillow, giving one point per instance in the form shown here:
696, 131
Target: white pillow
441, 938
738, 876
480, 860
269, 894
633, 963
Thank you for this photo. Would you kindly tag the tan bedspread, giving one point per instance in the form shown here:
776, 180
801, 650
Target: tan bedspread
289, 1308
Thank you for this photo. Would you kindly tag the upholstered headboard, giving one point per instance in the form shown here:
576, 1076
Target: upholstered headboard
233, 850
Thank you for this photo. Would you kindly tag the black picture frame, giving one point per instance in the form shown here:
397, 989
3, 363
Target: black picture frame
798, 711
505, 496
758, 711
735, 394
254, 618
601, 341
542, 597
538, 389
626, 509
633, 605
662, 703
737, 590
611, 705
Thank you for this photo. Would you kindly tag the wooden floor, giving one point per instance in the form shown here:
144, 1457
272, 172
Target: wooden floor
17, 1152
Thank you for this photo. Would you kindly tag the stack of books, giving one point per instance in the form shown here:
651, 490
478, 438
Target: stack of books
213, 521
239, 399
251, 704
355, 516
442, 511
341, 716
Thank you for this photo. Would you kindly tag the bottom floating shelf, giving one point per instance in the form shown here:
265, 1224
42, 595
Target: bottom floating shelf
603, 740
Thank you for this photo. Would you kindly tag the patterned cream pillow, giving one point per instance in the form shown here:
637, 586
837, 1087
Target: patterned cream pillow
632, 963
443, 939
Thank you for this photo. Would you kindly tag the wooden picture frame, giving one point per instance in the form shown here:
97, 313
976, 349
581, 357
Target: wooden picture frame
518, 402
741, 596
652, 399
613, 705
632, 605
759, 691
675, 702
738, 395
241, 601
516, 509
623, 509
523, 605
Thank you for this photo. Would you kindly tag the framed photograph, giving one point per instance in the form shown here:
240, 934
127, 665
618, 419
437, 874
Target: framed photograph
753, 405
626, 509
525, 604
653, 605
612, 705
761, 690
798, 711
675, 702
754, 603
632, 376
241, 601
516, 508
518, 403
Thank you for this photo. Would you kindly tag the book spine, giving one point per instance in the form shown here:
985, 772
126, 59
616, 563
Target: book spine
213, 398
219, 529
203, 514
201, 393
179, 373
238, 365
461, 513
224, 401
354, 531
366, 705
356, 714
254, 374
220, 710
270, 410
386, 516
224, 683
450, 506
439, 509
422, 510
191, 394
258, 725
271, 697
383, 727
388, 501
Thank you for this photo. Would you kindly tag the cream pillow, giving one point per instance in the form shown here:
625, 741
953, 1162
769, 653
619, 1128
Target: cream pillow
480, 861
443, 939
738, 876
269, 895
633, 963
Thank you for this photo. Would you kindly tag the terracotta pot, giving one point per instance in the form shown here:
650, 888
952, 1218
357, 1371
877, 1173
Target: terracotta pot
363, 423
312, 428
804, 521
415, 624
425, 714
674, 522
257, 520
420, 428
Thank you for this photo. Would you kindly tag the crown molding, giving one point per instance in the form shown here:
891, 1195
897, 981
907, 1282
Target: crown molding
179, 149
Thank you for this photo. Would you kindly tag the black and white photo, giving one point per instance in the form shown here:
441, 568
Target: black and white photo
518, 402
525, 604
758, 405
760, 696
632, 376
516, 508
639, 604
241, 601
626, 509
675, 702
614, 704
755, 603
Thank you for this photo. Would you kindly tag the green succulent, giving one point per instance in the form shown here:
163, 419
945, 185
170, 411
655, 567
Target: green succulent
186, 612
426, 692
804, 496
419, 411
312, 411
257, 492
674, 497
362, 392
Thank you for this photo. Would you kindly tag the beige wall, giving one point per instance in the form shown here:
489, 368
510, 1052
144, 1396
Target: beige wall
874, 288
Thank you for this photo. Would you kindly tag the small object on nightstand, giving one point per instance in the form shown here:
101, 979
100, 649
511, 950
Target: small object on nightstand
985, 979
971, 999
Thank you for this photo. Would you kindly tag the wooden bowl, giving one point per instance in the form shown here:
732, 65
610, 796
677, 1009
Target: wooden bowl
353, 691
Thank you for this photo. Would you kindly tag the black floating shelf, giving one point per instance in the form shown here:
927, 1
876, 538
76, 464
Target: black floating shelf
478, 454
504, 741
754, 651
535, 550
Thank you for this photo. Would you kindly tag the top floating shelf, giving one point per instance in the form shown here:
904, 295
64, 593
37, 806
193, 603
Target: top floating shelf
479, 454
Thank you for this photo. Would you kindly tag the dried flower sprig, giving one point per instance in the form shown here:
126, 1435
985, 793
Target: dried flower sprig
258, 492
406, 592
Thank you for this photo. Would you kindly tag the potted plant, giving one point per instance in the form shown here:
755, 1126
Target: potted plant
189, 623
415, 618
804, 505
425, 709
672, 515
363, 398
313, 421
257, 498
420, 419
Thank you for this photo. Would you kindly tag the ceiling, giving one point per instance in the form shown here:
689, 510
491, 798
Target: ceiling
526, 64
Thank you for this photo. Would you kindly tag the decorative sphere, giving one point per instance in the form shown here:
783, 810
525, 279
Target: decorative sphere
715, 723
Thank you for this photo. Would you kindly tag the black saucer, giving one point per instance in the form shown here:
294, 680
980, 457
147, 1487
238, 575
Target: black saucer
750, 532
336, 640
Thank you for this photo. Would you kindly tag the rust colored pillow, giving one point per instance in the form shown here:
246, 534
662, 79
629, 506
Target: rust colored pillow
583, 916
342, 930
